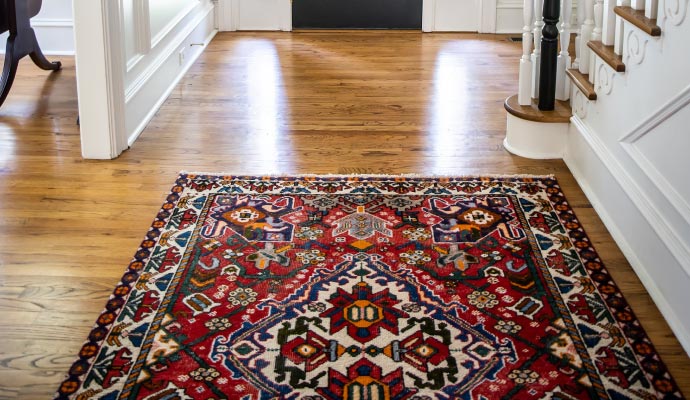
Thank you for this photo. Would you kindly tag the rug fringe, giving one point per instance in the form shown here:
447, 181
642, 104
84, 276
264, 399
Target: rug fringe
403, 175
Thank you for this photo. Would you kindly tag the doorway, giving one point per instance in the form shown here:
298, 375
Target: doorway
357, 14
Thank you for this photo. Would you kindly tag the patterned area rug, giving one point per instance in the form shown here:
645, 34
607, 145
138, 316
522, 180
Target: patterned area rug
367, 288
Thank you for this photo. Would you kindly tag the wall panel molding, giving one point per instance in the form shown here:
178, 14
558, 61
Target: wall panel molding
630, 143
159, 36
616, 199
156, 74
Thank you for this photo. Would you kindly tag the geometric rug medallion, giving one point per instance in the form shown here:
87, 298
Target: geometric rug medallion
367, 287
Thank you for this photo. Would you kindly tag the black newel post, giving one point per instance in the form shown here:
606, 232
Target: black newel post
549, 55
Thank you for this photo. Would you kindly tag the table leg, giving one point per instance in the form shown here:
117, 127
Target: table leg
10, 69
37, 55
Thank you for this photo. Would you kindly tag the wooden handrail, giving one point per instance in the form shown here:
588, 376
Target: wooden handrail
638, 18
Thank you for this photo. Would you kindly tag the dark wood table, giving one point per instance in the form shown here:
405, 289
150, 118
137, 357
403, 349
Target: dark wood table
15, 16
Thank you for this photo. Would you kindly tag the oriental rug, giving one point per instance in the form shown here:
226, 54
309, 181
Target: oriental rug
367, 287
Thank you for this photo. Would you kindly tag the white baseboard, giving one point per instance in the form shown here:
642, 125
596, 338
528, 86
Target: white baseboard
588, 163
55, 36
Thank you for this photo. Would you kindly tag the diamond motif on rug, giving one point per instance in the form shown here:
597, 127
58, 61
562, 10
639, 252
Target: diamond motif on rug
367, 288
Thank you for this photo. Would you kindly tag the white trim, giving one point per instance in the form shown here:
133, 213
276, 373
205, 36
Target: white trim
49, 52
226, 17
55, 35
637, 196
660, 115
134, 61
535, 140
142, 25
428, 15
234, 10
619, 237
286, 18
142, 33
229, 16
507, 4
100, 77
168, 51
140, 128
527, 154
52, 23
628, 142
487, 16
115, 56
172, 24
484, 20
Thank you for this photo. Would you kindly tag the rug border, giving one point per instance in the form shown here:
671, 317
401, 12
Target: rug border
83, 365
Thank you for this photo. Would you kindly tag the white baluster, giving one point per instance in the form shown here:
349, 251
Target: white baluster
563, 63
596, 34
580, 18
637, 4
650, 8
608, 30
586, 36
618, 34
525, 80
536, 54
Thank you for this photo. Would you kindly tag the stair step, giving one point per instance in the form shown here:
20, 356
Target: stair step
560, 114
637, 18
608, 55
582, 82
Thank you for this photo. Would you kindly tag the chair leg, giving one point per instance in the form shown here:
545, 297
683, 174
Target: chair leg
37, 55
9, 71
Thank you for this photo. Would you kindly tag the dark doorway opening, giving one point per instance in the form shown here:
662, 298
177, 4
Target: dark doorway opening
357, 14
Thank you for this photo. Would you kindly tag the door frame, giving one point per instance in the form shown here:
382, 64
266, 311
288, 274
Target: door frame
229, 13
99, 55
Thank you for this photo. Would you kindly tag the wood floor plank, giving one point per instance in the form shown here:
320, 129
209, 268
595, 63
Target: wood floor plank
254, 103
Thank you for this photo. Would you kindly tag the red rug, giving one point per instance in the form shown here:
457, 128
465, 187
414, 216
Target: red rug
367, 288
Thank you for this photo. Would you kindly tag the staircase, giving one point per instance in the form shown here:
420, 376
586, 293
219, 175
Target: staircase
622, 125
600, 27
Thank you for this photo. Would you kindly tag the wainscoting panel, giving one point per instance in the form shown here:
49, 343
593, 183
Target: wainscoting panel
656, 146
616, 198
155, 69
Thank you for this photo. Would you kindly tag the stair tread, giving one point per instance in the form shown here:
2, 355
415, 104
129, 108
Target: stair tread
560, 114
582, 82
608, 55
637, 18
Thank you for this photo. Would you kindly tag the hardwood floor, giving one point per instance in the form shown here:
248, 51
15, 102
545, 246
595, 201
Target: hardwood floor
255, 103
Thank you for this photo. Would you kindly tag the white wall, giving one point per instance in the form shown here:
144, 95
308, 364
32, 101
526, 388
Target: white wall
54, 28
628, 150
255, 15
509, 16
